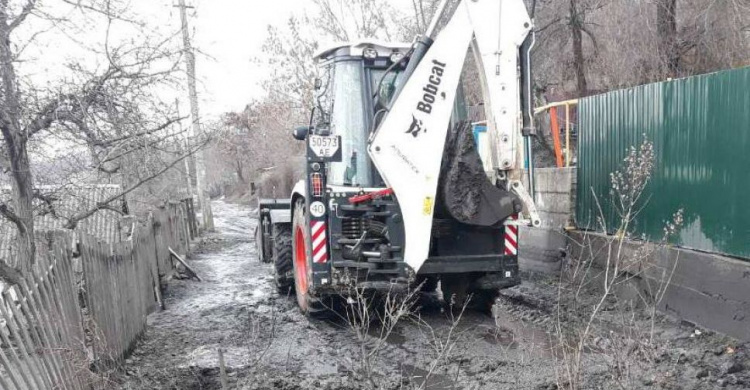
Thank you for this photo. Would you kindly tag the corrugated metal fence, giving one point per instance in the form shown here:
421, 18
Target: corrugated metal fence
700, 128
51, 337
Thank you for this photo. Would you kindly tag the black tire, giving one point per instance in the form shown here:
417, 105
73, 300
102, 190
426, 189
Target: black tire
282, 258
455, 289
460, 290
259, 244
427, 284
309, 304
263, 241
483, 300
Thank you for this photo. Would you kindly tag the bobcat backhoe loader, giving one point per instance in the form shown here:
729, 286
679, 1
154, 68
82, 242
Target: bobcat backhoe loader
396, 189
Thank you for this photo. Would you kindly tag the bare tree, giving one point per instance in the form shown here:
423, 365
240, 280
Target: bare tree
106, 110
350, 20
599, 45
666, 25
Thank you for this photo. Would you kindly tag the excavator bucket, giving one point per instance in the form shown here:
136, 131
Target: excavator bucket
464, 190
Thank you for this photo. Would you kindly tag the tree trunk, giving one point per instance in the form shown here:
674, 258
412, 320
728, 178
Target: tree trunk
15, 143
240, 172
579, 64
21, 184
666, 27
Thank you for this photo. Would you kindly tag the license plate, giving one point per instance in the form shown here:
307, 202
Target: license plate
325, 146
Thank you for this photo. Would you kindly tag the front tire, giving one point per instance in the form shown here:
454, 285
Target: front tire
282, 258
309, 304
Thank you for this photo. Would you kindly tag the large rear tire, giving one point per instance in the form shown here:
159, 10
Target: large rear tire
282, 258
309, 304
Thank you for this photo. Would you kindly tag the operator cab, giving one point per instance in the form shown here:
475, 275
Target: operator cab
356, 83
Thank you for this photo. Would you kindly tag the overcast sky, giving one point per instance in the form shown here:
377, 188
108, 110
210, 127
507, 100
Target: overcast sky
228, 36
231, 34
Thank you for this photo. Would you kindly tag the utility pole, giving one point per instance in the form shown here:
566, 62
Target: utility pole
190, 160
200, 169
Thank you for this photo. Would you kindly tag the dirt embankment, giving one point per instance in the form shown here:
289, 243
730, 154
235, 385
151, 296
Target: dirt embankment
268, 344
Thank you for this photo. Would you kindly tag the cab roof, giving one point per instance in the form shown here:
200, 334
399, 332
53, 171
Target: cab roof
355, 49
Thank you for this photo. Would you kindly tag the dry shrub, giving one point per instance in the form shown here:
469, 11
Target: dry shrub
599, 270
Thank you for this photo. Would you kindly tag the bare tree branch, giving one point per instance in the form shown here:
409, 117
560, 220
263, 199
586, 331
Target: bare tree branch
74, 220
25, 11
10, 275
8, 214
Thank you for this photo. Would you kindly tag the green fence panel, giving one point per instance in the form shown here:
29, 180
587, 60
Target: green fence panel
700, 128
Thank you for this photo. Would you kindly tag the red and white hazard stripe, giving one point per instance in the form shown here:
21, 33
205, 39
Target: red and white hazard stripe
511, 237
319, 242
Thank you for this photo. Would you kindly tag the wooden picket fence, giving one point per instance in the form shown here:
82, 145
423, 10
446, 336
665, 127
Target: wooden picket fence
87, 306
43, 338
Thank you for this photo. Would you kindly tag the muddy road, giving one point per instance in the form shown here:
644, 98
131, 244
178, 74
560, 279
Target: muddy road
268, 344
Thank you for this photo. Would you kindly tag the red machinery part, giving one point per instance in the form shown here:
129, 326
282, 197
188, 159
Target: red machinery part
370, 196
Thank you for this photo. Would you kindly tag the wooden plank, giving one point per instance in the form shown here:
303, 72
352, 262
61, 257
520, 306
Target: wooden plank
69, 298
152, 254
22, 340
58, 283
40, 345
103, 288
51, 286
106, 289
18, 376
43, 317
87, 262
71, 293
115, 262
131, 297
94, 310
5, 363
157, 274
223, 371
41, 308
190, 269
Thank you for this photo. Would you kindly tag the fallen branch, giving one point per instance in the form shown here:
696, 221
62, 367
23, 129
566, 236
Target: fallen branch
184, 263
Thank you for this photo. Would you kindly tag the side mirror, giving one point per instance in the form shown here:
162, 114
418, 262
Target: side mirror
300, 133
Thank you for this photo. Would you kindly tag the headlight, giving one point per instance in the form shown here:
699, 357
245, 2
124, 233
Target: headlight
370, 53
397, 57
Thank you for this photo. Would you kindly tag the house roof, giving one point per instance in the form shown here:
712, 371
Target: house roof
65, 203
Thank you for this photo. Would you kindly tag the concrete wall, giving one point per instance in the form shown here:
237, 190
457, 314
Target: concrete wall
706, 289
541, 248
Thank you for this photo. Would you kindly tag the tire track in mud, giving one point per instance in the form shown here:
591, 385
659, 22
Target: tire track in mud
523, 305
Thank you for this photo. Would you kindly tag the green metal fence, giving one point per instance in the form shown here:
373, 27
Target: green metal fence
700, 128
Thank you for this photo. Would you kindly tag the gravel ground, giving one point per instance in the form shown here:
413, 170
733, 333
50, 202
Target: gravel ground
268, 344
